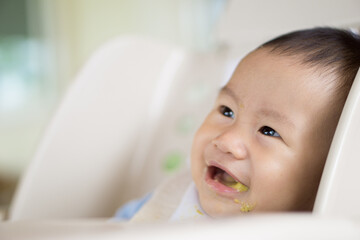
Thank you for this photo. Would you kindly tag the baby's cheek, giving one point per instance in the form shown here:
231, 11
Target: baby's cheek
274, 191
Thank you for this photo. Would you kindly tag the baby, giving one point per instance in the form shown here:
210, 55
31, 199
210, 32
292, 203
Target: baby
264, 144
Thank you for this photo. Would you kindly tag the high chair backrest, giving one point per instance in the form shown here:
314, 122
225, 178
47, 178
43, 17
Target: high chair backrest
339, 190
83, 160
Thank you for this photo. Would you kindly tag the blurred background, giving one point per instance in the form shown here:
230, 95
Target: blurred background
44, 43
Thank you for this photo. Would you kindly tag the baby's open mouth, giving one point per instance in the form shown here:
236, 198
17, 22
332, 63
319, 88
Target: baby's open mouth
226, 179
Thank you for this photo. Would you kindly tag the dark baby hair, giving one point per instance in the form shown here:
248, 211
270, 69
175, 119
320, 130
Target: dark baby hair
336, 51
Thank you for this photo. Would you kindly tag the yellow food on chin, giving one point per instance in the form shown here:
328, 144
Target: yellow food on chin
238, 186
244, 206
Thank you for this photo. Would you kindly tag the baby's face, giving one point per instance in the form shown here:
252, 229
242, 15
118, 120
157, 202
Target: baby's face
264, 144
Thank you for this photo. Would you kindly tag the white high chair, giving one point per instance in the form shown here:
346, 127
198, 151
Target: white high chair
100, 149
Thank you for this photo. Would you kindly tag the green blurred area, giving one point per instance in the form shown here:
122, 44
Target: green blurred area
13, 18
22, 82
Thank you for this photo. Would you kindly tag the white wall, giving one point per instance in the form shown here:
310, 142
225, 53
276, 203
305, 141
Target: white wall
246, 24
83, 25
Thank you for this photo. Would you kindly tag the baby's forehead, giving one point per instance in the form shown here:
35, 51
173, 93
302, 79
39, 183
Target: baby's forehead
313, 63
266, 54
276, 65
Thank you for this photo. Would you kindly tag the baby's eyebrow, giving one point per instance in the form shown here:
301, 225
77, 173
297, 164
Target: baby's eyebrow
276, 115
229, 92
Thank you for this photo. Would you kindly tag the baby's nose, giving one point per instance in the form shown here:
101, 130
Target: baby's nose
231, 143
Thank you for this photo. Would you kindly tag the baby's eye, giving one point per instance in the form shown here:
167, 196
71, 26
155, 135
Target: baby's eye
226, 111
268, 131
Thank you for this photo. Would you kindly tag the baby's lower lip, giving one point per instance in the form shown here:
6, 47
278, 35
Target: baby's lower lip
217, 186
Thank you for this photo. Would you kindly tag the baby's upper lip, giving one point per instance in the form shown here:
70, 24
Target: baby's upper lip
243, 180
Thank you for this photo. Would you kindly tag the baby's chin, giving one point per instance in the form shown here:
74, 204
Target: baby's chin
225, 208
216, 206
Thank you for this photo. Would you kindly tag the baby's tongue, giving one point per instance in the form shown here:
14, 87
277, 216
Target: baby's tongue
229, 181
225, 178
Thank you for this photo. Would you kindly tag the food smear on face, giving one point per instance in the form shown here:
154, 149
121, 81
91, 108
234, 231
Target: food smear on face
238, 186
244, 206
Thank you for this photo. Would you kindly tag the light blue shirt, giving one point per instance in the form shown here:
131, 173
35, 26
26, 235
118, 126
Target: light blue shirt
128, 210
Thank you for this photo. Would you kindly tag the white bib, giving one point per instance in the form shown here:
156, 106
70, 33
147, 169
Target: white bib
189, 207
